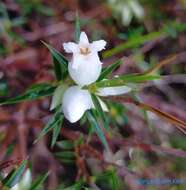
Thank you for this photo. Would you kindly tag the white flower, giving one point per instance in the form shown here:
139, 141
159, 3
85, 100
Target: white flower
85, 66
76, 100
25, 182
137, 9
116, 158
126, 15
127, 10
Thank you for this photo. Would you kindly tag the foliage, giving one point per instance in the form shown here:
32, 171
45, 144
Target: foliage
81, 150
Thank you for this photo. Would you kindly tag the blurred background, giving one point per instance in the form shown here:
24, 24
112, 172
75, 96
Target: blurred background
141, 33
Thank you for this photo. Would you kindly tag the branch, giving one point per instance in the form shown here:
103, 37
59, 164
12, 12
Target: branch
179, 124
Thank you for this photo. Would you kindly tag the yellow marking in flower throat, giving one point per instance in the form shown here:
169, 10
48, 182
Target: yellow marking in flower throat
85, 51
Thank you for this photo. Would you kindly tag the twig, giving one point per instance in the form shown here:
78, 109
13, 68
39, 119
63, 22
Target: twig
181, 125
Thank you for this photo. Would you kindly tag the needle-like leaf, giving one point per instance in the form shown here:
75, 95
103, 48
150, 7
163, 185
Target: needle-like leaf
34, 92
100, 111
60, 62
91, 118
108, 70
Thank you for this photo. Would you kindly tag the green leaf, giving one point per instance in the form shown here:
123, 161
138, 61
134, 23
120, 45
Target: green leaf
53, 122
124, 79
1, 176
45, 10
111, 178
58, 95
67, 161
67, 157
77, 28
14, 176
65, 154
34, 92
9, 149
19, 21
100, 111
77, 186
3, 89
91, 118
135, 42
114, 180
108, 70
38, 182
56, 130
65, 144
60, 62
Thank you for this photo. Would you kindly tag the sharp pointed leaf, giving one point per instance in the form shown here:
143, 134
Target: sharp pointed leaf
14, 176
34, 92
100, 111
97, 128
36, 185
108, 70
77, 28
60, 62
56, 130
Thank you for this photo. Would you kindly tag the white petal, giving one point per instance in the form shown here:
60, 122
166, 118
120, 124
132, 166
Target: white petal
111, 91
85, 70
137, 9
103, 105
83, 40
108, 156
26, 181
70, 47
116, 158
98, 45
126, 15
131, 150
119, 155
77, 60
15, 187
119, 162
75, 102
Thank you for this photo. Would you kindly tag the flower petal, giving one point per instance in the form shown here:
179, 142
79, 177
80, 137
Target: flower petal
75, 102
98, 45
26, 181
111, 91
108, 156
137, 9
116, 158
83, 40
119, 155
84, 70
103, 105
77, 60
15, 187
70, 47
126, 15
